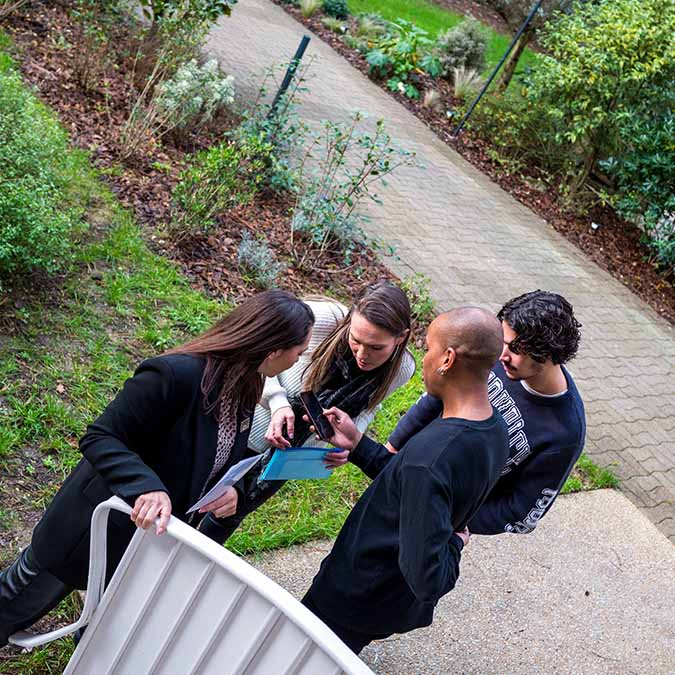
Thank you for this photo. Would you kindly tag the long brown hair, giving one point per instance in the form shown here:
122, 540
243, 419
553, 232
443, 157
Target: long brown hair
383, 304
236, 346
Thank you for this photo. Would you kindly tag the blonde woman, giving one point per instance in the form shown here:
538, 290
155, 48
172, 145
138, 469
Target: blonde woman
355, 360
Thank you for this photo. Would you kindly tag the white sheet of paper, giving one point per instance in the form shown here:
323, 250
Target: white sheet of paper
232, 475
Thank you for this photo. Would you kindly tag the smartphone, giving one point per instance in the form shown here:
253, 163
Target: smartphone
315, 412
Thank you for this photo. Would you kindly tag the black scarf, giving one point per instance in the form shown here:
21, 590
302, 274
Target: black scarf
346, 387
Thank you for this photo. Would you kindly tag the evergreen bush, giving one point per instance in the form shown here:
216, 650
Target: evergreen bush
36, 171
462, 47
336, 8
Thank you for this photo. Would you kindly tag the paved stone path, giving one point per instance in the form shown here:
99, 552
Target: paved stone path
479, 245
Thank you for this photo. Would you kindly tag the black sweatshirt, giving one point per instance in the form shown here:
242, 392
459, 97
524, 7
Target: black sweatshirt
546, 437
397, 553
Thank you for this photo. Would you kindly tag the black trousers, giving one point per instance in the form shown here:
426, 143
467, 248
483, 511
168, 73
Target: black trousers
27, 593
354, 639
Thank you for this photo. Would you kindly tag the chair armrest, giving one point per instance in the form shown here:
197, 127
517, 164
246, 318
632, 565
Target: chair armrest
95, 580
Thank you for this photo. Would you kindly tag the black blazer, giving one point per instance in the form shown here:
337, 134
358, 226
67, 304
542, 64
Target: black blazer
153, 436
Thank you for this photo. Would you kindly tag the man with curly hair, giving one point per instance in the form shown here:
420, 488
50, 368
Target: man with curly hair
540, 404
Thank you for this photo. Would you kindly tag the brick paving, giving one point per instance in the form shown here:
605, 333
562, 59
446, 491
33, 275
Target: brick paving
479, 245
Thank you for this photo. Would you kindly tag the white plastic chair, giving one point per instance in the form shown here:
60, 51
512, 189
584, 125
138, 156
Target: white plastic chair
180, 604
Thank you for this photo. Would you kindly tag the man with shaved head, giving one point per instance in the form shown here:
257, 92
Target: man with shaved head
399, 550
540, 404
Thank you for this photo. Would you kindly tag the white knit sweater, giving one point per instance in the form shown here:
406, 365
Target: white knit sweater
289, 383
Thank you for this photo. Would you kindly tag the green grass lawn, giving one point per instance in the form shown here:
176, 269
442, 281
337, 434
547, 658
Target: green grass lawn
434, 20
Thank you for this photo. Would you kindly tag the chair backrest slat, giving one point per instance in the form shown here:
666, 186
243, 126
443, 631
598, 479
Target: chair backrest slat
181, 605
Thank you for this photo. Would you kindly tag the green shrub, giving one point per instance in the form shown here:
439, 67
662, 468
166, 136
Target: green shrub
644, 172
336, 8
606, 60
256, 259
346, 162
423, 308
398, 56
36, 169
462, 47
218, 179
518, 132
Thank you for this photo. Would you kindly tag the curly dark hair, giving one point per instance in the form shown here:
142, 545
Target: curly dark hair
544, 325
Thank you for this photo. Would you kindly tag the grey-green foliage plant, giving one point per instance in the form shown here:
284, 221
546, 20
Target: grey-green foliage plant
257, 260
192, 97
336, 8
36, 169
339, 172
463, 46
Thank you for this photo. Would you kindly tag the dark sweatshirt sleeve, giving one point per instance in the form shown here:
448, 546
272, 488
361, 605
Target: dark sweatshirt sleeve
147, 404
429, 550
427, 409
533, 490
370, 456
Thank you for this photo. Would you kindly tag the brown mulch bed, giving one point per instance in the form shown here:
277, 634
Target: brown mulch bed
615, 245
145, 182
207, 259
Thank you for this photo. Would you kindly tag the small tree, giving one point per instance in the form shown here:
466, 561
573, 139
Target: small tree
515, 12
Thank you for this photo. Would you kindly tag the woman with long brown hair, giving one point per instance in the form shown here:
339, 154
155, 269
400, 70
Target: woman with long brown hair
172, 431
356, 358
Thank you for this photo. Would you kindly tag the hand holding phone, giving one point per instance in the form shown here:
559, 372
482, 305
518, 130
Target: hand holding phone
315, 412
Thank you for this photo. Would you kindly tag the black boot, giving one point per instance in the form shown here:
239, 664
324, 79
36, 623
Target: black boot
27, 593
